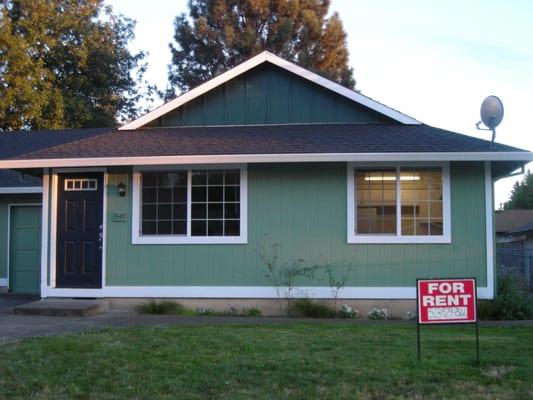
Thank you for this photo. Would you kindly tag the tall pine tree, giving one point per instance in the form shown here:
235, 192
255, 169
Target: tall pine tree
219, 34
65, 63
522, 194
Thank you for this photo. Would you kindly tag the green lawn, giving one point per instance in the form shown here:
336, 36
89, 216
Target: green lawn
324, 361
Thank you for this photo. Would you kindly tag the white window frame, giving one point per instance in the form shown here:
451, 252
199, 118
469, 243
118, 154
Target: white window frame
353, 237
138, 238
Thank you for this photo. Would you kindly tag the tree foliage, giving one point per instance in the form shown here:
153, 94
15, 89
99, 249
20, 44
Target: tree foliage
219, 34
65, 63
521, 194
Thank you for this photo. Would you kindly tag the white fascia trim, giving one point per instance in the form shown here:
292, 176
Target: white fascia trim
244, 292
353, 238
280, 62
266, 158
489, 215
3, 282
21, 190
137, 238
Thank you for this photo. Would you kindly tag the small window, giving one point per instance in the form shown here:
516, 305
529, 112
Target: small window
164, 203
376, 201
215, 203
80, 184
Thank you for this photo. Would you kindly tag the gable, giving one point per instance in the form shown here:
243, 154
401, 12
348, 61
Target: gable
268, 94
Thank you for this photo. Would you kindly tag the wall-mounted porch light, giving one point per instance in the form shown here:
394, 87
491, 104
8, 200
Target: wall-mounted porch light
121, 187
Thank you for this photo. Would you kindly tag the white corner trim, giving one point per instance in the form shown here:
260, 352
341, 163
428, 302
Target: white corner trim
244, 292
353, 238
44, 231
489, 215
3, 282
137, 238
266, 56
21, 190
524, 156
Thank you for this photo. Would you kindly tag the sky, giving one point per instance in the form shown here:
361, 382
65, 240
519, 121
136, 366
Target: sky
433, 60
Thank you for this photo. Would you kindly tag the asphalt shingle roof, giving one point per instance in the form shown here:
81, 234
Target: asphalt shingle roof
252, 139
13, 179
13, 144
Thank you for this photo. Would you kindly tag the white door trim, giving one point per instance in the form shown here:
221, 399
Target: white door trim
50, 289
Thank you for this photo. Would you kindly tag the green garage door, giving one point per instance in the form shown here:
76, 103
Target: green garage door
25, 249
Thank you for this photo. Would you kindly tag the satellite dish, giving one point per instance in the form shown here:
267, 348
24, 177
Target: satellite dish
492, 112
491, 116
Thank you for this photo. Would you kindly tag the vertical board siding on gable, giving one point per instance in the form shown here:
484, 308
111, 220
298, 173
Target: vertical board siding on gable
268, 95
302, 207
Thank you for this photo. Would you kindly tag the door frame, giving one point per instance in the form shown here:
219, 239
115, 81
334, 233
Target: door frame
50, 286
8, 249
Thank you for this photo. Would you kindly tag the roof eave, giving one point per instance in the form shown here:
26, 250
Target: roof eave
21, 190
265, 158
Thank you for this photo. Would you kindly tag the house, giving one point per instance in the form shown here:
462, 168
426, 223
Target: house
267, 161
508, 221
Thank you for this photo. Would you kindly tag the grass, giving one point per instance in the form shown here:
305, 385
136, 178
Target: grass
296, 361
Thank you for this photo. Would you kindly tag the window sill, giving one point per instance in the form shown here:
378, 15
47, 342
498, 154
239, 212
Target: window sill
189, 240
355, 239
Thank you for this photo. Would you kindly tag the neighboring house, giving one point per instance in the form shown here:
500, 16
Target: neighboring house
265, 158
515, 255
507, 221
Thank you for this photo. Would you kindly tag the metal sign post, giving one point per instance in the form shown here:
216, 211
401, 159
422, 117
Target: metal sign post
446, 301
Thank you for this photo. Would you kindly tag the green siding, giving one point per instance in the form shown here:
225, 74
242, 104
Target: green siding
268, 95
303, 208
5, 201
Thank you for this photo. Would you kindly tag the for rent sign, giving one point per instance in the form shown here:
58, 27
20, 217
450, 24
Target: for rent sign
445, 301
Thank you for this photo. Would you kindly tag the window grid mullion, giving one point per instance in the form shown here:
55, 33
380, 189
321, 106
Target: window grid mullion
189, 202
398, 202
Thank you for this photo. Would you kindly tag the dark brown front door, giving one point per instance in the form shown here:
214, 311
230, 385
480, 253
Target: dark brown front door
79, 230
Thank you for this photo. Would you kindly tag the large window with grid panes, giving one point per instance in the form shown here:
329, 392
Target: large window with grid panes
193, 205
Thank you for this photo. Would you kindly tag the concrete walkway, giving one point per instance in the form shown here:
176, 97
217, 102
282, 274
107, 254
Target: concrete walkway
15, 327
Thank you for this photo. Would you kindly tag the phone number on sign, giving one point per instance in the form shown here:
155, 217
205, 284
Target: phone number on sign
439, 313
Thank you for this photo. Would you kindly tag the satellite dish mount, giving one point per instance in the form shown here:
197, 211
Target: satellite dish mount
491, 116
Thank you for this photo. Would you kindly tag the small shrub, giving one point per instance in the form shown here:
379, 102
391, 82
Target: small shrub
252, 312
511, 302
206, 311
348, 312
310, 309
378, 313
410, 316
162, 307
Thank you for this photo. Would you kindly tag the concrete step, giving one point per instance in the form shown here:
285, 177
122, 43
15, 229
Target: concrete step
63, 307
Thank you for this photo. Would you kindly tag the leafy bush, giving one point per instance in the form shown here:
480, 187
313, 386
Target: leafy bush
162, 307
204, 311
511, 302
310, 309
378, 313
348, 312
251, 312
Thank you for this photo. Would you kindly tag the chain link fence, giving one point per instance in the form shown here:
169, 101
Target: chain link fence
516, 262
